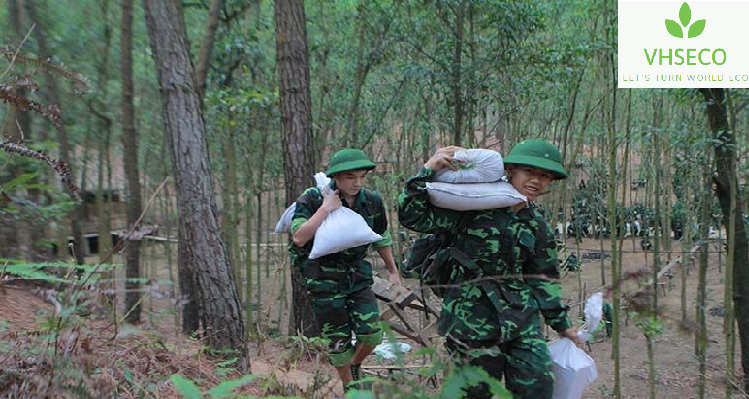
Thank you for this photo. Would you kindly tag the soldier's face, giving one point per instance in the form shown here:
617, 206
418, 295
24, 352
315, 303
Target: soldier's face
528, 180
350, 182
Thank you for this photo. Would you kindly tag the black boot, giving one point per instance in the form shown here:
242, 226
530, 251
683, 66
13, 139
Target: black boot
356, 372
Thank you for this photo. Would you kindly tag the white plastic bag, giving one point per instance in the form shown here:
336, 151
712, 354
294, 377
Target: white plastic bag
474, 196
388, 350
573, 369
593, 315
342, 229
284, 223
482, 166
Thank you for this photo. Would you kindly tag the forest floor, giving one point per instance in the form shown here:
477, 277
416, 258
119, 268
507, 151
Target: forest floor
293, 365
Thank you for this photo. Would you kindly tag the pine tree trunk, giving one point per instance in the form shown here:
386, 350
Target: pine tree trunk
202, 250
53, 96
248, 262
132, 171
17, 127
292, 58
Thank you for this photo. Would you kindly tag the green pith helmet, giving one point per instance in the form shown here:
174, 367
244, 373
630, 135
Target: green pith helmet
538, 153
349, 159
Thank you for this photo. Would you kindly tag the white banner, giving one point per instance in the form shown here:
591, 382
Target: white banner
672, 43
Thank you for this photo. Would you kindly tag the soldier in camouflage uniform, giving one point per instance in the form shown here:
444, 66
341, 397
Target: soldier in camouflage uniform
508, 278
340, 285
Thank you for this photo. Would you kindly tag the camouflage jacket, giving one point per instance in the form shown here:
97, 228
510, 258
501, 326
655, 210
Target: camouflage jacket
367, 203
510, 274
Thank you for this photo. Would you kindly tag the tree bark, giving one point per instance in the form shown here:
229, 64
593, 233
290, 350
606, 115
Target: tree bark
201, 248
700, 341
725, 178
18, 121
352, 124
188, 290
104, 130
206, 46
17, 127
292, 58
132, 171
457, 74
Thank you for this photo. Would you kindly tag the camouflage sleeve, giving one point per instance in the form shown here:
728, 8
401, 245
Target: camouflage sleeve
380, 226
415, 212
547, 291
306, 206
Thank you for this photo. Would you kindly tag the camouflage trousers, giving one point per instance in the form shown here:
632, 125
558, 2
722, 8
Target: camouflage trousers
343, 302
524, 363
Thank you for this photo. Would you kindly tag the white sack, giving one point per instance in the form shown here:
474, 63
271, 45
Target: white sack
322, 181
482, 166
474, 196
284, 223
573, 369
593, 315
342, 229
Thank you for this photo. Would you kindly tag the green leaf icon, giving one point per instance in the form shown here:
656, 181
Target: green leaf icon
674, 28
696, 28
685, 14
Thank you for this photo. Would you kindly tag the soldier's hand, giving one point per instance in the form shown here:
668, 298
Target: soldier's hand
571, 333
395, 279
331, 201
443, 158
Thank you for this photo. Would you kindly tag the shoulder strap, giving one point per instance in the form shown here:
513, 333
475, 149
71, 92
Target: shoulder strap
455, 252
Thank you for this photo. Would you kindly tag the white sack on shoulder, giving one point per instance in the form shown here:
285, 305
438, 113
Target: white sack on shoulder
284, 223
342, 229
482, 166
474, 196
573, 369
322, 181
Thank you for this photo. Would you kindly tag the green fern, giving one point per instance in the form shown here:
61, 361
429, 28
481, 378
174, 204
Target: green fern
189, 390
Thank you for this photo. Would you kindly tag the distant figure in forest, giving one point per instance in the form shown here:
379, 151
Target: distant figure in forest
340, 285
494, 323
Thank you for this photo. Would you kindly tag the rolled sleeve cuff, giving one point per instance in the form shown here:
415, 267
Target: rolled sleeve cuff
426, 172
386, 241
296, 224
559, 324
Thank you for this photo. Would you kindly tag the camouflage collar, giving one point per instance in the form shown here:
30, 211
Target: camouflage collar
359, 202
527, 213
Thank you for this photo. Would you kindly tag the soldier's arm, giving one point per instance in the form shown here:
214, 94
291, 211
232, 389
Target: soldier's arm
543, 276
415, 212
